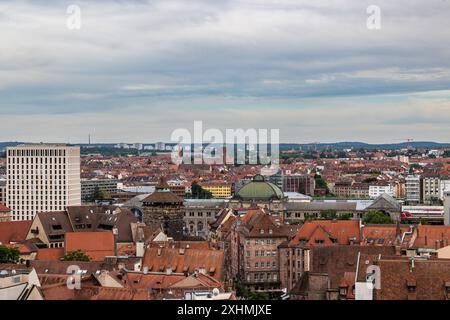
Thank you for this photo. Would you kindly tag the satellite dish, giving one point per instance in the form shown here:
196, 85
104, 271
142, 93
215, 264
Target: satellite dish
215, 292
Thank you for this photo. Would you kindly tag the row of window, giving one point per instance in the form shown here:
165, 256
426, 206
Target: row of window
262, 241
37, 153
263, 264
199, 214
262, 253
262, 277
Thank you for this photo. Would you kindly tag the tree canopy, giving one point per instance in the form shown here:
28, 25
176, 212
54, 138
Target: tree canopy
199, 193
377, 217
9, 255
76, 256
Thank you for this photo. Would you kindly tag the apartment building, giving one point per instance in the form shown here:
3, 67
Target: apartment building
301, 183
413, 189
431, 188
255, 238
218, 189
379, 188
42, 178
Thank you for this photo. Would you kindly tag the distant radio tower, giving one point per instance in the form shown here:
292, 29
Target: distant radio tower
89, 139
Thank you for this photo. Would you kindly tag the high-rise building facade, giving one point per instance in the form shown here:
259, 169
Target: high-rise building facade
3, 191
42, 178
447, 208
413, 189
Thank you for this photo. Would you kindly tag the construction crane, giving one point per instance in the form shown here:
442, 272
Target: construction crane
408, 141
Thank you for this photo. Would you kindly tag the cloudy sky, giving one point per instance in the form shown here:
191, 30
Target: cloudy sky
137, 70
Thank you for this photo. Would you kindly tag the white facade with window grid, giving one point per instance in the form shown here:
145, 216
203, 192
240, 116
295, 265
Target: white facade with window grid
42, 178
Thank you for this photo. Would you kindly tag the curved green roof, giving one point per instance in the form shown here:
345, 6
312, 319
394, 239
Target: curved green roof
259, 189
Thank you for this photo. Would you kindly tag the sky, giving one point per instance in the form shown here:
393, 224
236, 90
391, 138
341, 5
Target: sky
137, 70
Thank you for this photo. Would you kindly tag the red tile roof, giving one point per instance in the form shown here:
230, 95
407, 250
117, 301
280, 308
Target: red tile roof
50, 254
4, 208
384, 235
97, 245
184, 260
327, 232
432, 237
14, 231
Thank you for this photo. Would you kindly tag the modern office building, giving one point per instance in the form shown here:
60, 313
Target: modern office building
42, 178
88, 187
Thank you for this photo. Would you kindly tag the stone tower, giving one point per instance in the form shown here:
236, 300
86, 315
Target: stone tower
165, 209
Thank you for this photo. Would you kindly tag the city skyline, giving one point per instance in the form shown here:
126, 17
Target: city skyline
141, 69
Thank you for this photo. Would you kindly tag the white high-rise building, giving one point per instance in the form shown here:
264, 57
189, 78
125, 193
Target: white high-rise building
42, 178
447, 208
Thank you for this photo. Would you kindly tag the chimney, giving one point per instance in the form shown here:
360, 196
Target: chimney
411, 268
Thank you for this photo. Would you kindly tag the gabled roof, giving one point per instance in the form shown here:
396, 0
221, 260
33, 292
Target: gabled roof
385, 202
329, 231
89, 219
385, 234
336, 260
14, 231
4, 208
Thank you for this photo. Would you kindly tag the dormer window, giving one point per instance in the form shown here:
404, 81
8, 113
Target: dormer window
270, 231
447, 289
261, 231
411, 284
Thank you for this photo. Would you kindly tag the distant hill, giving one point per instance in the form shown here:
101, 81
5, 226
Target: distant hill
367, 146
302, 146
4, 145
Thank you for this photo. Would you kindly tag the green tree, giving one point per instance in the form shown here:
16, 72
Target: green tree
328, 214
99, 194
258, 295
9, 255
377, 217
76, 256
321, 184
199, 193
